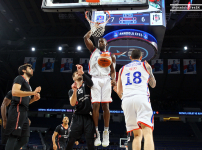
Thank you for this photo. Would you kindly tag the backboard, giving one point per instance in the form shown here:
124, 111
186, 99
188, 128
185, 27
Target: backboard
82, 5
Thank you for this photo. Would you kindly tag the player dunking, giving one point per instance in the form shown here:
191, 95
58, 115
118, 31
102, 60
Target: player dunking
17, 126
133, 83
101, 90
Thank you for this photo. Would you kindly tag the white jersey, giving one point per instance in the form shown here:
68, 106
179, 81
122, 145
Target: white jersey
135, 78
93, 68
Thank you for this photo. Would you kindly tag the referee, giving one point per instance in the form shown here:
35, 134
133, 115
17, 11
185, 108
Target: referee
17, 127
82, 121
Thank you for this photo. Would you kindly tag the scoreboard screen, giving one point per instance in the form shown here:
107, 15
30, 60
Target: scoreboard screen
82, 5
154, 15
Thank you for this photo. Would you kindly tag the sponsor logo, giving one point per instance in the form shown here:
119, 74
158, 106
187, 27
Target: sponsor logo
116, 34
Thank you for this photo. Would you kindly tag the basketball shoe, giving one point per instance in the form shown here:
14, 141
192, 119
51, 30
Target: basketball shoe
97, 140
105, 140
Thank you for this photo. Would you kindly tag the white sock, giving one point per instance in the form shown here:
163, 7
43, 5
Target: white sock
106, 128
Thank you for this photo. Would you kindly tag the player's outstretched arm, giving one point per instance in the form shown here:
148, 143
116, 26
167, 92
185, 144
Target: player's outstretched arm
87, 79
4, 104
113, 71
152, 80
119, 84
73, 98
88, 42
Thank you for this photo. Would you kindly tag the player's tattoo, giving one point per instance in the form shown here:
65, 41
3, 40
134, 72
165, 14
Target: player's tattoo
152, 81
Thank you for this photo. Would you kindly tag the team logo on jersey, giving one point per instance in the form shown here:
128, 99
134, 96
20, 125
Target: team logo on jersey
80, 91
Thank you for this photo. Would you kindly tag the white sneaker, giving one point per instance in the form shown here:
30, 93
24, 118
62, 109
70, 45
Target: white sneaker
97, 140
105, 140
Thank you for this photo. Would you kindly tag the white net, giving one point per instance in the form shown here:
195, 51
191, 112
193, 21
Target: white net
97, 22
97, 30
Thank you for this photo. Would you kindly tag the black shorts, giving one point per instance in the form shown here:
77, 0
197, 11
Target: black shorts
61, 145
17, 123
4, 137
82, 124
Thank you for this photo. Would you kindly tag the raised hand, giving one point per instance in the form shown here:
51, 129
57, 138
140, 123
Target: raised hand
38, 89
80, 69
74, 86
37, 97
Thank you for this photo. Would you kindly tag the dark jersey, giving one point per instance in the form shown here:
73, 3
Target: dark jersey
62, 133
8, 96
22, 102
83, 104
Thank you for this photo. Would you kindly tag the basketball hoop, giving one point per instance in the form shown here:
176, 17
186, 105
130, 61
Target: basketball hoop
97, 23
93, 2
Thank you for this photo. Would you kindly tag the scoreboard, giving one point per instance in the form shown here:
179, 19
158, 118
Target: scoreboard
82, 5
154, 15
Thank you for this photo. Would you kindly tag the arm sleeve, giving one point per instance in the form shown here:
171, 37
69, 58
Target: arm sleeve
57, 129
19, 80
88, 80
70, 93
9, 95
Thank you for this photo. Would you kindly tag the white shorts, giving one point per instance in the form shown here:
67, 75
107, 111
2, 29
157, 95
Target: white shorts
101, 90
137, 110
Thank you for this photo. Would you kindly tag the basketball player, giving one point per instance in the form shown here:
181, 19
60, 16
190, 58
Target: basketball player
82, 121
60, 135
17, 127
133, 83
4, 114
101, 90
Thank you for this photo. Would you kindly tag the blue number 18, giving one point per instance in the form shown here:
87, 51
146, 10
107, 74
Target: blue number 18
136, 79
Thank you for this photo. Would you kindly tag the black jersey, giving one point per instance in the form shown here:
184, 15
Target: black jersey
8, 96
22, 102
83, 104
62, 133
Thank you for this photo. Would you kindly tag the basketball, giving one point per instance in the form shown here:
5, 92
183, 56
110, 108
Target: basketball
104, 60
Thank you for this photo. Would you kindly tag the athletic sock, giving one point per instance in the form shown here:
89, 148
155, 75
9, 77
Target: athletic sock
106, 128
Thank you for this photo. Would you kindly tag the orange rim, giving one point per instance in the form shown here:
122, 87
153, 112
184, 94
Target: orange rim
95, 22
